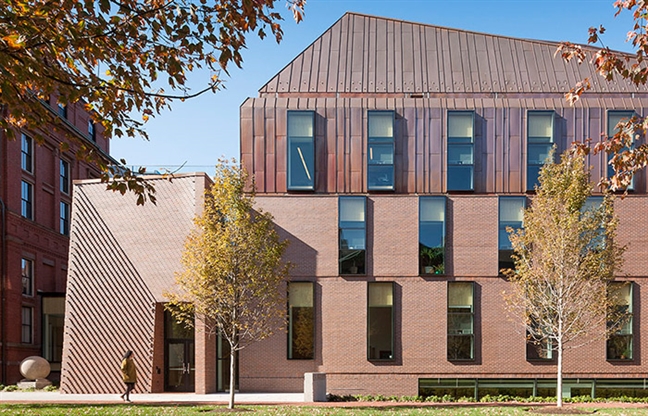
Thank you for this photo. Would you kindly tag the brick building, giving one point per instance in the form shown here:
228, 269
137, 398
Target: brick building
36, 198
393, 155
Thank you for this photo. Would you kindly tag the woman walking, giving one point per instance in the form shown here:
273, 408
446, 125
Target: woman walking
129, 374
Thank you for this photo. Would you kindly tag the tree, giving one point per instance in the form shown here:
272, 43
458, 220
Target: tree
233, 278
565, 257
627, 155
117, 57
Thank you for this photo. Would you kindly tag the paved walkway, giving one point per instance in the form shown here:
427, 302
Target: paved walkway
56, 397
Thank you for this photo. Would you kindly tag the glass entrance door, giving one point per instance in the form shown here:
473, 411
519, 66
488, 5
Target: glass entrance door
181, 370
179, 356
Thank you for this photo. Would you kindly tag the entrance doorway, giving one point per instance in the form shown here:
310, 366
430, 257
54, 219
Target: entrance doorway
179, 354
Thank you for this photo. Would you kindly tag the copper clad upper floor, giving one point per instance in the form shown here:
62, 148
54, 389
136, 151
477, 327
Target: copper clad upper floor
382, 105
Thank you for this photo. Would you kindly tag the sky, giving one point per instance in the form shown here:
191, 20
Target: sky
199, 131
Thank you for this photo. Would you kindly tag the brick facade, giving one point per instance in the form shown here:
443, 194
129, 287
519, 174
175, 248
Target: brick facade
38, 239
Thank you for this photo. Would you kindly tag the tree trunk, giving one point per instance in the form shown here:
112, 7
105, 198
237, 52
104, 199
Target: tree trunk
559, 378
232, 382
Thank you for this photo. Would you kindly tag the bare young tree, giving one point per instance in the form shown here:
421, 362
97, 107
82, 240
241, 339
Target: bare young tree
565, 257
233, 280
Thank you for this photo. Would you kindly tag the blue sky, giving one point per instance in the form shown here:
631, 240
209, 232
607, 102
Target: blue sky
198, 132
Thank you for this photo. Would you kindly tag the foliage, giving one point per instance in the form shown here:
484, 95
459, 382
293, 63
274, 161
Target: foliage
123, 61
627, 154
233, 278
565, 257
10, 388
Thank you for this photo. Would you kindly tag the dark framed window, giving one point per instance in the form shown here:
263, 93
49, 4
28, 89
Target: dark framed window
91, 131
540, 139
27, 325
27, 271
461, 342
380, 151
62, 110
301, 150
380, 321
353, 234
64, 174
432, 235
591, 207
27, 200
27, 153
461, 140
537, 350
511, 214
65, 218
619, 344
613, 119
301, 321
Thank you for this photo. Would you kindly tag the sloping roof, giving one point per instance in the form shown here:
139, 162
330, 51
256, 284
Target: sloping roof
122, 259
363, 54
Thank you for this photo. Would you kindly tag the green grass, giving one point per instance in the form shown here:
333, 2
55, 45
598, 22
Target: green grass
338, 410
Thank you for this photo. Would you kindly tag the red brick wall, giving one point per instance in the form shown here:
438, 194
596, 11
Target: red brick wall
420, 302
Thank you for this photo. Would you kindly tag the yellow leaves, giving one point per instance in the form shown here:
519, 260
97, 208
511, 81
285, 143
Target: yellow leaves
14, 41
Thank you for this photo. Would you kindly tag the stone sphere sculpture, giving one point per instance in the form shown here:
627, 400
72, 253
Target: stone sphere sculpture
34, 368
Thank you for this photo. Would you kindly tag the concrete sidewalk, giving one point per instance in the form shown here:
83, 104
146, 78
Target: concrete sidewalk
159, 398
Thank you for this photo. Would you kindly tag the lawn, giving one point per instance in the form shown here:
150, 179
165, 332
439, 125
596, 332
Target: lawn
338, 410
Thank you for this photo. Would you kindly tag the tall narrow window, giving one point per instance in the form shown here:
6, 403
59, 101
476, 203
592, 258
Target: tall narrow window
538, 349
540, 136
380, 157
432, 235
64, 173
460, 321
27, 198
460, 151
353, 235
65, 218
27, 324
62, 110
613, 119
91, 131
380, 326
301, 150
27, 153
619, 345
301, 321
27, 267
511, 214
590, 207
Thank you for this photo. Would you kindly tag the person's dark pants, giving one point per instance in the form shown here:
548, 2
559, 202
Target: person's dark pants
129, 388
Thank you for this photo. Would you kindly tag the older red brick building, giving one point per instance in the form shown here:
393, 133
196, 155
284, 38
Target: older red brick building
36, 200
392, 155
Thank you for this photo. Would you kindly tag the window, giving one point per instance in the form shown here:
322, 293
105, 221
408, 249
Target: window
591, 207
27, 324
380, 151
353, 236
64, 172
301, 150
27, 197
91, 131
619, 345
27, 267
540, 140
65, 218
380, 325
27, 153
538, 349
62, 110
301, 321
460, 150
432, 235
460, 321
614, 118
511, 214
